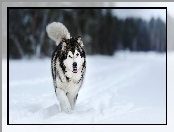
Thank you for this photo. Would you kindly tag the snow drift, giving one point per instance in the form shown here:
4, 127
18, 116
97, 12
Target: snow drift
127, 88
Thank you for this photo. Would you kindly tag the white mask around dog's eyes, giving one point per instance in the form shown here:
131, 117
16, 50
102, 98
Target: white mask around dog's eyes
72, 59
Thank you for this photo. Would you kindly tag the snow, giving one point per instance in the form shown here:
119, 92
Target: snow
126, 88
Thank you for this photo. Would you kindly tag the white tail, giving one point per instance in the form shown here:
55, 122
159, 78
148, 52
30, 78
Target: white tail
57, 31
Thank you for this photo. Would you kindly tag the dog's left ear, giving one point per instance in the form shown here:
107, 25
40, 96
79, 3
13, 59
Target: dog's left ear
79, 40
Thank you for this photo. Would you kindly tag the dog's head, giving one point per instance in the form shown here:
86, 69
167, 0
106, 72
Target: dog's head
72, 55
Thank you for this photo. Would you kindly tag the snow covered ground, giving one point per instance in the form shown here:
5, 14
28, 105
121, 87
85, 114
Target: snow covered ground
126, 116
128, 88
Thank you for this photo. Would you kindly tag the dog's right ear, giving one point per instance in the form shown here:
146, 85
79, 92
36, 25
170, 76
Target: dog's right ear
63, 45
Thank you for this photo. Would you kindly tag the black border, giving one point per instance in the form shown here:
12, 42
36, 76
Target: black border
166, 66
76, 8
7, 66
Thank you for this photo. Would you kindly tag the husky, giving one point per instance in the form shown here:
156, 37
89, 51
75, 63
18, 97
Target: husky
68, 65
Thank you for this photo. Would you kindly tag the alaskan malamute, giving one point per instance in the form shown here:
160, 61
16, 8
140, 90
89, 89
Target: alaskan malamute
68, 65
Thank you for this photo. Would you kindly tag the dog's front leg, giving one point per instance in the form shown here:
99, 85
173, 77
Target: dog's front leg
64, 103
72, 99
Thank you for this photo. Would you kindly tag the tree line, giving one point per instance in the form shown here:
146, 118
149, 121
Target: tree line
102, 32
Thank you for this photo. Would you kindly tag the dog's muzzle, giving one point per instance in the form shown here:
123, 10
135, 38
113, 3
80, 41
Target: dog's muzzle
75, 67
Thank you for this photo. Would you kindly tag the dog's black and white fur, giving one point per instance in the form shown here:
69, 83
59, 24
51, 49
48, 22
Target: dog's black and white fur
68, 65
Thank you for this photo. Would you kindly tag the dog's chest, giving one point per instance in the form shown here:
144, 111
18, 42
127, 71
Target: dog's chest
71, 86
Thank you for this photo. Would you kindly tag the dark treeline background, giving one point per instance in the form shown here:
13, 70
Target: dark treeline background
102, 32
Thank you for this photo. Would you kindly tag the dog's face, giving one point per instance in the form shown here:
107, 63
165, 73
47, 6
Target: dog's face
73, 55
74, 61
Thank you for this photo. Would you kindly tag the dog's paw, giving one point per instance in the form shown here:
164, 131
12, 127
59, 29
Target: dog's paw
66, 107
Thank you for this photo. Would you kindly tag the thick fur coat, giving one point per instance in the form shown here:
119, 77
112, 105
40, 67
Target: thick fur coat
68, 65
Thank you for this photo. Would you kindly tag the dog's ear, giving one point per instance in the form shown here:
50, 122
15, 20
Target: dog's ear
79, 40
63, 46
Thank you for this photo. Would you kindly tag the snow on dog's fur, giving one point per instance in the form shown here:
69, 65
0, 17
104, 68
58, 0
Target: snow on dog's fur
68, 65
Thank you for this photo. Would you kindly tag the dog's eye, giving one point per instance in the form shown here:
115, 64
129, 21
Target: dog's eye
77, 54
70, 56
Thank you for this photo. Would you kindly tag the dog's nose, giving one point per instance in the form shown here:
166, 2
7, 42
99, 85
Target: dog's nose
75, 64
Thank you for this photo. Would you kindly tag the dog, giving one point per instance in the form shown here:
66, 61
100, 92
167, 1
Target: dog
68, 65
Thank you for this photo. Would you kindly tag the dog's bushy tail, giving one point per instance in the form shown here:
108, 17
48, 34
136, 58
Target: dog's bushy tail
57, 32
